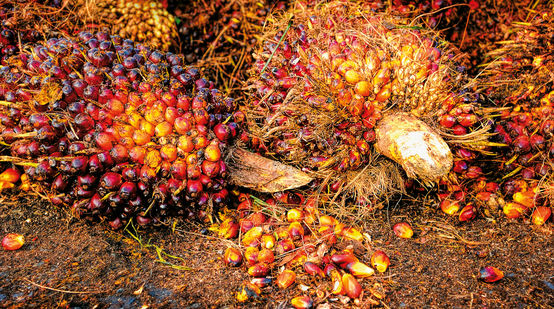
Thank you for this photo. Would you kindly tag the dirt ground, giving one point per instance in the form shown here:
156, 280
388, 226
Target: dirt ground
69, 263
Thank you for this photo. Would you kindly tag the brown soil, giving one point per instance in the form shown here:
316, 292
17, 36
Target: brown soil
70, 263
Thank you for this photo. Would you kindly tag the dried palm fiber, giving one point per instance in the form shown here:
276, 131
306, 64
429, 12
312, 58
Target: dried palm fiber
113, 129
519, 79
329, 80
220, 36
144, 21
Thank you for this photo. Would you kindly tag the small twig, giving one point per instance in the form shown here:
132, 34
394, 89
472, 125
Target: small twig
63, 291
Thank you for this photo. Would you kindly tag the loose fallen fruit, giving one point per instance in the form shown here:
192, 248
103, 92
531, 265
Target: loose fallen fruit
13, 241
490, 274
403, 230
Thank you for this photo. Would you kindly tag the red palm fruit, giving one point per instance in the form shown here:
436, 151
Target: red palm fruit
286, 278
257, 218
313, 269
285, 245
185, 144
459, 130
147, 127
10, 175
222, 132
473, 172
490, 274
251, 255
460, 166
526, 198
137, 154
449, 207
168, 152
380, 261
153, 159
302, 302
540, 215
115, 107
514, 210
13, 241
143, 220
351, 286
128, 190
521, 144
194, 187
182, 125
110, 181
267, 241
86, 181
119, 154
447, 121
179, 169
403, 230
200, 142
266, 256
467, 120
232, 257
259, 270
296, 230
261, 282
228, 229
141, 138
352, 233
163, 129
343, 258
359, 269
327, 220
171, 113
210, 168
59, 184
252, 235
469, 212
491, 187
294, 215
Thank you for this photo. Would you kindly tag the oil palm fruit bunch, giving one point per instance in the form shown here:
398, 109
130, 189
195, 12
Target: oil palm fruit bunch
114, 129
519, 80
145, 21
284, 243
336, 89
471, 25
221, 35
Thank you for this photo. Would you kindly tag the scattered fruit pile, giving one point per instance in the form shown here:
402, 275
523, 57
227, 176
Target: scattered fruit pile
337, 86
147, 22
114, 129
285, 243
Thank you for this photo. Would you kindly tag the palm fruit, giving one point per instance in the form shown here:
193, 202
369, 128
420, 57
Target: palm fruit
221, 34
114, 129
519, 82
335, 87
145, 21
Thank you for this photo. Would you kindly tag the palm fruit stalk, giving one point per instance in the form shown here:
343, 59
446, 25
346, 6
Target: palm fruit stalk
337, 88
220, 35
144, 21
285, 243
115, 130
519, 81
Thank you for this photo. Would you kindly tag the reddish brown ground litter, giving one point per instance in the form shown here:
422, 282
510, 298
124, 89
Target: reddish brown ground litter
69, 263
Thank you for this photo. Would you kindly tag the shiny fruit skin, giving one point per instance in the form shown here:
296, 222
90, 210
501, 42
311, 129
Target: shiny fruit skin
13, 241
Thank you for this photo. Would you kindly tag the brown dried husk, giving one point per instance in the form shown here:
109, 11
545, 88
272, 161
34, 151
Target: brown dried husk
421, 97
